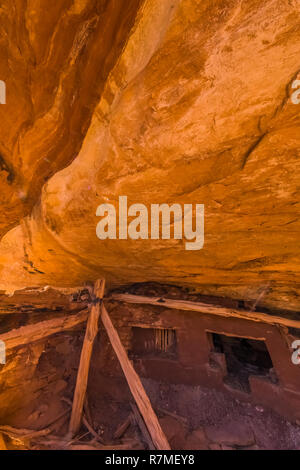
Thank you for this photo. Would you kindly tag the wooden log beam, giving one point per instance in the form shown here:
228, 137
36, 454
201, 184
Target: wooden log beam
123, 427
37, 331
140, 422
85, 359
206, 309
157, 435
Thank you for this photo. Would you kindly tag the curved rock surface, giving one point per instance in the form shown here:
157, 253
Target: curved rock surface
180, 101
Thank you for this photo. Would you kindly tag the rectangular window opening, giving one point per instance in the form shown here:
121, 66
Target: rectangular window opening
154, 342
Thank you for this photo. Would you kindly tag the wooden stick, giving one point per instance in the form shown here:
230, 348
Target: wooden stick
16, 433
140, 422
85, 358
91, 430
209, 309
157, 435
127, 446
85, 421
123, 427
174, 415
58, 418
29, 334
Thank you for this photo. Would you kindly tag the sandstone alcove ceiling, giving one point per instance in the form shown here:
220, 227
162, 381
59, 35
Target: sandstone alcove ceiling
55, 60
165, 102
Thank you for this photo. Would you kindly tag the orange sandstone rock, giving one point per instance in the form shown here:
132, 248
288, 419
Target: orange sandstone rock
191, 104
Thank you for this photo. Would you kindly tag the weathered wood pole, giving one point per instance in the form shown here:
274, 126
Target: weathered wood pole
85, 359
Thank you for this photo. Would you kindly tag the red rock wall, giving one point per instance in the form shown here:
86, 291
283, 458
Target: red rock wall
193, 364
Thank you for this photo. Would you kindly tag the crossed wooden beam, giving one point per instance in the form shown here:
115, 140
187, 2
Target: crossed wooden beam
98, 310
147, 417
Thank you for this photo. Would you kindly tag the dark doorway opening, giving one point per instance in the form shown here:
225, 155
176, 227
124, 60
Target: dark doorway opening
244, 357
